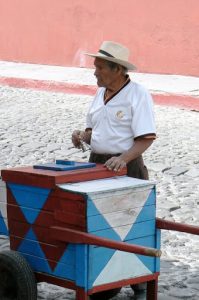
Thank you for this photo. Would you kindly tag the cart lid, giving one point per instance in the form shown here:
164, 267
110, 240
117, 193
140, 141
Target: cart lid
106, 184
50, 178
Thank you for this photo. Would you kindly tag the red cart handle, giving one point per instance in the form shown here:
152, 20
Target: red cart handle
79, 237
169, 225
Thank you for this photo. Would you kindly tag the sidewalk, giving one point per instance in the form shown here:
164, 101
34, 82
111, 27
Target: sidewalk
176, 90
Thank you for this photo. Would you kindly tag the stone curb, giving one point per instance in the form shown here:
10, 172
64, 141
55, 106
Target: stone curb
177, 100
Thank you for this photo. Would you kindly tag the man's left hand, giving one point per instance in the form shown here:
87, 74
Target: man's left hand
115, 163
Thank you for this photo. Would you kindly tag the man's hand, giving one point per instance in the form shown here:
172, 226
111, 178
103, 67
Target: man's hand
115, 163
79, 136
76, 138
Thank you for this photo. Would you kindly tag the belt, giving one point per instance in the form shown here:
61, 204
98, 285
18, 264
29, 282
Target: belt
101, 158
107, 155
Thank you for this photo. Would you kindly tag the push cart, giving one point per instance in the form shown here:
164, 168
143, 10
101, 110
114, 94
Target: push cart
79, 226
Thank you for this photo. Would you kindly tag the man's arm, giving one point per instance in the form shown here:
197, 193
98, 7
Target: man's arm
119, 162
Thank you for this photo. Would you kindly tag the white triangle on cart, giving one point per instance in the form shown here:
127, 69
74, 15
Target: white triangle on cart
122, 265
124, 211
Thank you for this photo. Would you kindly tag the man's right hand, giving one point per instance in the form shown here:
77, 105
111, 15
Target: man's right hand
79, 136
76, 138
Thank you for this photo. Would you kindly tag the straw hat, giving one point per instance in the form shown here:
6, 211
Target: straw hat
114, 52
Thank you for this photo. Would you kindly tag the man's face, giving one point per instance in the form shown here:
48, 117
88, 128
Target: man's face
105, 76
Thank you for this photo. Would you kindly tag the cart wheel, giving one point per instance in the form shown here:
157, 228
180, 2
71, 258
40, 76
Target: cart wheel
140, 287
16, 277
105, 295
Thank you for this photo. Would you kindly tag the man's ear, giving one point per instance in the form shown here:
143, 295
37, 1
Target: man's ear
119, 70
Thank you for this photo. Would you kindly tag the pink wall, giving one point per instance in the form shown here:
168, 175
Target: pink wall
162, 35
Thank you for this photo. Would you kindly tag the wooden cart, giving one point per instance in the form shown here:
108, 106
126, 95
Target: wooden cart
85, 229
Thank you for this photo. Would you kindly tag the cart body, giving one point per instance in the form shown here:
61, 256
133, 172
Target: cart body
91, 200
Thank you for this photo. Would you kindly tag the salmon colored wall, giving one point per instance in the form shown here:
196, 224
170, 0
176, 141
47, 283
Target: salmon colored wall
163, 35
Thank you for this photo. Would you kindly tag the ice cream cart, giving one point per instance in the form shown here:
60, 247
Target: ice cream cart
79, 226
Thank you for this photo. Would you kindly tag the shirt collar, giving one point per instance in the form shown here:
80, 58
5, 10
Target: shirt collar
113, 95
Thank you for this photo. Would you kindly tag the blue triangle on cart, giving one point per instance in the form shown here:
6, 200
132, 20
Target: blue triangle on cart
32, 251
3, 227
30, 199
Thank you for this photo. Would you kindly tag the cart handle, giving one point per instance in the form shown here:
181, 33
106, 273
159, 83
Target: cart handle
79, 237
169, 225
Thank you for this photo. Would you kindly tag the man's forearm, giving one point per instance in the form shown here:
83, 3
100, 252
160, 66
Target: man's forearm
117, 163
139, 147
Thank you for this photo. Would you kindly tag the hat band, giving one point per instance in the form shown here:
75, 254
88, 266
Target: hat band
105, 53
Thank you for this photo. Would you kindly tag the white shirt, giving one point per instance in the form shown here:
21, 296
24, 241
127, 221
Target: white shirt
115, 125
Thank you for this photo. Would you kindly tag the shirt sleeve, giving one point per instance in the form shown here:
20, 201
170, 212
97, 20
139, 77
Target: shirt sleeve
89, 124
88, 121
143, 122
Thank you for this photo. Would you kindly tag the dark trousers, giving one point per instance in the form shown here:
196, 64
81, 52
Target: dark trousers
135, 168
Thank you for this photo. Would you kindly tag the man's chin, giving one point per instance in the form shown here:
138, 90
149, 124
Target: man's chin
99, 84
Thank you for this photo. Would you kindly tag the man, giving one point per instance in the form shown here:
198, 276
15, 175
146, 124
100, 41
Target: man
120, 122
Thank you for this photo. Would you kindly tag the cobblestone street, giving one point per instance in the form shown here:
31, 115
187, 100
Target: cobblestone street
36, 127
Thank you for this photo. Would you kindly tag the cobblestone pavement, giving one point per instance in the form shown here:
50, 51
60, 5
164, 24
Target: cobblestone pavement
36, 127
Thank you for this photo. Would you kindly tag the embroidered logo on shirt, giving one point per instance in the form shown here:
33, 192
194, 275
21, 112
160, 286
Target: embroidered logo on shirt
120, 114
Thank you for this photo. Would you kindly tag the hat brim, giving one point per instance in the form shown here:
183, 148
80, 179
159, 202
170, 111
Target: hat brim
123, 63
